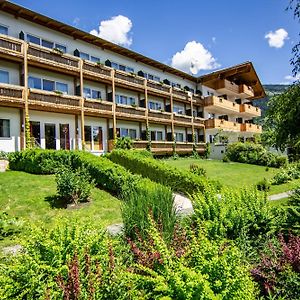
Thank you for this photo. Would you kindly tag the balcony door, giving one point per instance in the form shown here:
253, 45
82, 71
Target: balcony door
64, 135
50, 136
35, 132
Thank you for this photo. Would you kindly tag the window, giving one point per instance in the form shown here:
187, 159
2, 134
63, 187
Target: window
88, 137
156, 78
129, 70
3, 29
47, 44
61, 47
132, 134
4, 76
97, 138
62, 87
83, 55
87, 92
96, 94
33, 39
48, 85
179, 137
121, 99
4, 128
34, 83
124, 132
114, 65
178, 110
95, 59
122, 68
154, 105
159, 136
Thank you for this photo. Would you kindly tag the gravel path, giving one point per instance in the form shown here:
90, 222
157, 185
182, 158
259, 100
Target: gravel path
280, 196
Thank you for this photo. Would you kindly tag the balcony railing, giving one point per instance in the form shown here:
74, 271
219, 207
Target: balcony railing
179, 94
250, 110
52, 98
222, 124
52, 57
98, 105
96, 69
221, 104
130, 79
10, 44
198, 99
159, 116
128, 111
246, 91
156, 86
11, 91
253, 128
182, 119
225, 86
198, 121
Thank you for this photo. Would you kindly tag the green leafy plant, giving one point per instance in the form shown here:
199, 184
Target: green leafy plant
197, 170
3, 155
124, 142
263, 185
9, 226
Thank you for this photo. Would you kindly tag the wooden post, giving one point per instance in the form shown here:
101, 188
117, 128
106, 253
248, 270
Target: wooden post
172, 113
192, 112
22, 129
82, 120
76, 133
146, 103
25, 98
114, 104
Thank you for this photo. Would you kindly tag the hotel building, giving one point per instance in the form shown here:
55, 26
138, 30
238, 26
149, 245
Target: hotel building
71, 90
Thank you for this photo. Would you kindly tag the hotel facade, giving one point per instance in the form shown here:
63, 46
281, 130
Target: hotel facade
73, 90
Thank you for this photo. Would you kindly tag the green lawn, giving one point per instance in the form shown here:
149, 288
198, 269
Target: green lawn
234, 174
27, 196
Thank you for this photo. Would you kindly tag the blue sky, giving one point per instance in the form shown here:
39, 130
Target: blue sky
225, 32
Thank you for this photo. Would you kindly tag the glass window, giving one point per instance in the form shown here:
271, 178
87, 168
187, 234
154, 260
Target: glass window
48, 85
33, 39
62, 87
117, 99
95, 59
156, 78
83, 55
88, 137
159, 136
124, 132
131, 101
123, 100
150, 76
61, 47
132, 134
114, 65
96, 94
4, 128
122, 68
4, 76
178, 110
97, 138
34, 82
3, 29
86, 92
47, 44
179, 136
129, 70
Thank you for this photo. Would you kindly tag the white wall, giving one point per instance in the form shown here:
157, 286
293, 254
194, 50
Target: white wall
12, 143
13, 69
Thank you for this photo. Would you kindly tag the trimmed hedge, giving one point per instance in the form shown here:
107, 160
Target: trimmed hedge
255, 154
107, 175
178, 180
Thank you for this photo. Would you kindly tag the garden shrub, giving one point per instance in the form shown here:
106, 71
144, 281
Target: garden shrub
292, 171
254, 154
124, 142
178, 180
197, 170
73, 186
263, 185
9, 226
3, 155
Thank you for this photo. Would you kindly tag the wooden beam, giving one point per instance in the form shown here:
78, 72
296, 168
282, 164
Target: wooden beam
114, 104
82, 106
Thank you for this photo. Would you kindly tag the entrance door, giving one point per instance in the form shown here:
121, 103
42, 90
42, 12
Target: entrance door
97, 138
64, 136
50, 136
35, 133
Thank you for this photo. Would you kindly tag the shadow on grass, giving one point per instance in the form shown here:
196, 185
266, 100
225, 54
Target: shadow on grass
56, 202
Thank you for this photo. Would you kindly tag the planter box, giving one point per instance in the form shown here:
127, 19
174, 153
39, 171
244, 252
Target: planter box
3, 165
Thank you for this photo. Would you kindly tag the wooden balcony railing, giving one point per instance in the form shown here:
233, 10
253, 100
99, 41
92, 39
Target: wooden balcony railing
222, 124
182, 119
156, 86
159, 116
225, 86
253, 128
198, 99
11, 91
52, 98
96, 69
198, 121
179, 94
246, 91
10, 44
250, 110
218, 103
98, 105
130, 112
130, 79
52, 57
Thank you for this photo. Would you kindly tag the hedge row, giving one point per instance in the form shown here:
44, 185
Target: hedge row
255, 154
178, 180
107, 175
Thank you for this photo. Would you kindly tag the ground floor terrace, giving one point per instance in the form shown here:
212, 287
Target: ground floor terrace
53, 130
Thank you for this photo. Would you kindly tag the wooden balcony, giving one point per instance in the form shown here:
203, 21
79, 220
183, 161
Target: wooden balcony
180, 95
11, 95
157, 88
182, 120
10, 48
98, 107
246, 91
222, 124
224, 86
96, 71
199, 122
250, 110
253, 128
198, 100
130, 112
51, 101
220, 105
129, 80
164, 147
52, 59
159, 117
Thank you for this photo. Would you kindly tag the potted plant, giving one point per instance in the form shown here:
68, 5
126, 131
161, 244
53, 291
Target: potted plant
3, 161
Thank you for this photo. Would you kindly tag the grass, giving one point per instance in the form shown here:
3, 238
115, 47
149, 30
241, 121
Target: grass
28, 196
234, 174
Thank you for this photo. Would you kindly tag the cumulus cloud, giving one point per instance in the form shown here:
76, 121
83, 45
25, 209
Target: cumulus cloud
277, 38
193, 58
116, 30
290, 79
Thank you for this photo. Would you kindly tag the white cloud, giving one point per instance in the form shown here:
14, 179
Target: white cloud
76, 21
276, 39
290, 79
193, 58
115, 30
214, 39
